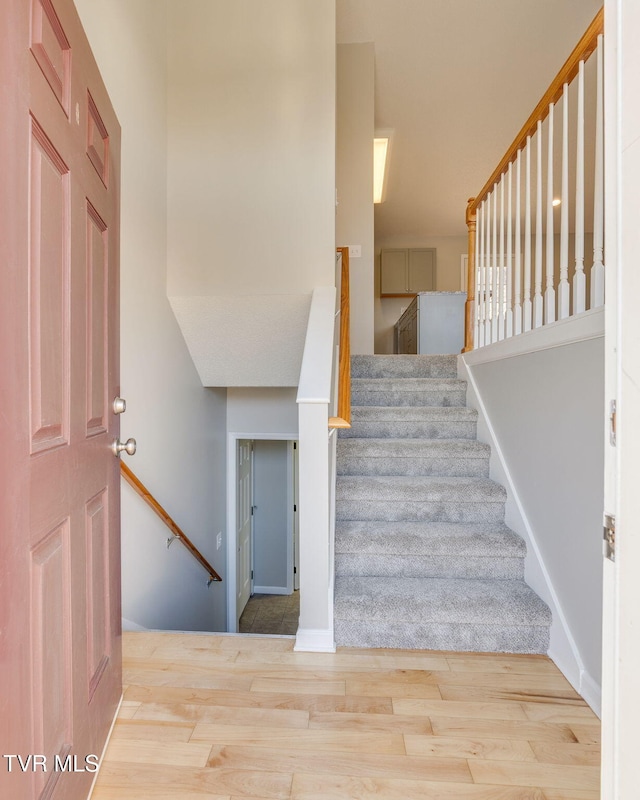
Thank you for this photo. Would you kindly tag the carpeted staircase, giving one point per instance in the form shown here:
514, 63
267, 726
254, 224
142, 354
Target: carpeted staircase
423, 557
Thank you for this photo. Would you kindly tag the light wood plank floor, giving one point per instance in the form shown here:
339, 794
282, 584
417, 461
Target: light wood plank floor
232, 717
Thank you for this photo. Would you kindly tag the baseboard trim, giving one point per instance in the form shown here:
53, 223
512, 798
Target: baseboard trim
315, 640
104, 749
592, 692
271, 590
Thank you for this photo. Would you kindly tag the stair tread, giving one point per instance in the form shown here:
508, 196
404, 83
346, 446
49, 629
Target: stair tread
383, 447
407, 384
440, 600
419, 488
428, 538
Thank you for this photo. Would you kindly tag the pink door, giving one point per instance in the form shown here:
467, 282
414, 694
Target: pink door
60, 640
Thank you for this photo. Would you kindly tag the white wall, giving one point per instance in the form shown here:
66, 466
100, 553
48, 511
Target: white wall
251, 178
179, 425
389, 309
354, 181
262, 410
546, 411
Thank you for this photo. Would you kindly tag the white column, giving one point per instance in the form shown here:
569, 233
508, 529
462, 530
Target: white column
550, 292
537, 280
315, 631
564, 288
509, 266
579, 280
527, 310
494, 269
501, 282
597, 271
481, 288
488, 303
517, 303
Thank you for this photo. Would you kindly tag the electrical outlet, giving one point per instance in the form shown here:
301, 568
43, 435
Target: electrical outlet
219, 540
355, 251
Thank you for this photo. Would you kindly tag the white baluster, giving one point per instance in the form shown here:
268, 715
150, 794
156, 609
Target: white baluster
597, 271
537, 279
527, 310
564, 288
494, 268
501, 309
482, 306
487, 273
579, 280
517, 307
509, 310
476, 278
550, 292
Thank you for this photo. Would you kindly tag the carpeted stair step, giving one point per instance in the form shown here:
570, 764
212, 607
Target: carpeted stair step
419, 498
440, 614
404, 366
437, 549
446, 457
408, 392
411, 422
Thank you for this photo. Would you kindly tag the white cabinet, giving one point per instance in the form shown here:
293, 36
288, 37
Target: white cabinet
407, 271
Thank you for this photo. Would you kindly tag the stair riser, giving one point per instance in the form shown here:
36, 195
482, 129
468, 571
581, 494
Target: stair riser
419, 511
378, 429
437, 636
404, 367
391, 398
411, 566
443, 467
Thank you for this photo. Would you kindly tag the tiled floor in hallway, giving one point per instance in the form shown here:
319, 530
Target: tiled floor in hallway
271, 613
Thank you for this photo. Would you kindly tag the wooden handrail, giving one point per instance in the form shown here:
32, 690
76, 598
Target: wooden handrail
343, 420
150, 500
567, 73
470, 304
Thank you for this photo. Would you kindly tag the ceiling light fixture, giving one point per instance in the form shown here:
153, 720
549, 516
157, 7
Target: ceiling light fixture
380, 160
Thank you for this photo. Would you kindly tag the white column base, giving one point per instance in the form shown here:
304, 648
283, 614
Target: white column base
310, 640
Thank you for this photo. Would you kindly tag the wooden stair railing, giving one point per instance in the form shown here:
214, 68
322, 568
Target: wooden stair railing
343, 420
581, 52
177, 532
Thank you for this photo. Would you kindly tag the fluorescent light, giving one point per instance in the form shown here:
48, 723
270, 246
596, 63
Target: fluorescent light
556, 201
380, 150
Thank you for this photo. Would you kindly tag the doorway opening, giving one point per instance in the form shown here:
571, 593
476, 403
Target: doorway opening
263, 534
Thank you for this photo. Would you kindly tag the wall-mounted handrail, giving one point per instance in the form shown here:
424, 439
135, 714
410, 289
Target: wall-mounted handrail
343, 419
177, 532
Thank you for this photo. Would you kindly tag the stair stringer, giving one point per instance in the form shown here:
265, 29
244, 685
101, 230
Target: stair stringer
563, 650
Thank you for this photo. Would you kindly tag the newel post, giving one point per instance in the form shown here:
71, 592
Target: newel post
471, 278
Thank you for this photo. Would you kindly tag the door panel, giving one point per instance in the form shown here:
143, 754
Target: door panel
271, 521
48, 291
59, 511
244, 494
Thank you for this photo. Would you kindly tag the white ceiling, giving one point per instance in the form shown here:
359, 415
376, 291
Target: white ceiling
455, 80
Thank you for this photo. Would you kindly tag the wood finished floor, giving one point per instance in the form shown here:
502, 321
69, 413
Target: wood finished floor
232, 717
